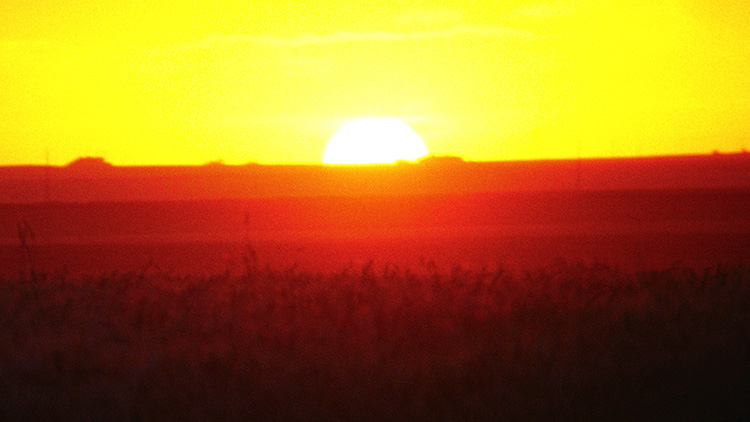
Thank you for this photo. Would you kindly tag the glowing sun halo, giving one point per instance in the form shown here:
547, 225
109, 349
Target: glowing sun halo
374, 141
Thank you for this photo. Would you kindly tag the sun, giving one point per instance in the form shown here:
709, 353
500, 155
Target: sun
374, 141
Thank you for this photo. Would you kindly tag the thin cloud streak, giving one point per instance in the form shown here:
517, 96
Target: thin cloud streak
349, 37
13, 46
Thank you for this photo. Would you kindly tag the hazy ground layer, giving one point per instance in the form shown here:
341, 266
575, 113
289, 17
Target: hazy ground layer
420, 253
627, 229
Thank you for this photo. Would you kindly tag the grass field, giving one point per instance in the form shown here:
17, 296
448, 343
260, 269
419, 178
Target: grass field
507, 306
374, 342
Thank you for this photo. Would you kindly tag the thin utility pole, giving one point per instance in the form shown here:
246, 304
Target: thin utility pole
47, 190
578, 165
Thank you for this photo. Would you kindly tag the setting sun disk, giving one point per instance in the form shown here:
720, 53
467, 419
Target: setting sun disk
374, 141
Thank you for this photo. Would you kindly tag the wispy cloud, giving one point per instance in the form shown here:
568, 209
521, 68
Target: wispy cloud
457, 31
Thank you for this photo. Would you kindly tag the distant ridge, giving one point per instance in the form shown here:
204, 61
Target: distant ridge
93, 179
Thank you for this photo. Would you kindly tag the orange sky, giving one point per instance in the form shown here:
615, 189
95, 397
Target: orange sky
188, 82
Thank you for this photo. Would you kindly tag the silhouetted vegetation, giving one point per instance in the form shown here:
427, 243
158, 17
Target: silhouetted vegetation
215, 164
368, 343
94, 163
441, 160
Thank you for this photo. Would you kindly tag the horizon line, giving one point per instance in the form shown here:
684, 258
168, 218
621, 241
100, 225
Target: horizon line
101, 162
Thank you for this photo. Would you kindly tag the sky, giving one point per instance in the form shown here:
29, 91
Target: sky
190, 82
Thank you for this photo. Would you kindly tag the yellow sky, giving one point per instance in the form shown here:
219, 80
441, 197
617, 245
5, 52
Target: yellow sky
187, 82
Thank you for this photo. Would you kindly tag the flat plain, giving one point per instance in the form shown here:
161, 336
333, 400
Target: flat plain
507, 304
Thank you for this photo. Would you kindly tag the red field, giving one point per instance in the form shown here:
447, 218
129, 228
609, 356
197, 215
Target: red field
614, 304
627, 229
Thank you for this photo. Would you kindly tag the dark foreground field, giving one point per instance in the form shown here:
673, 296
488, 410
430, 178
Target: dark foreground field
598, 305
379, 343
